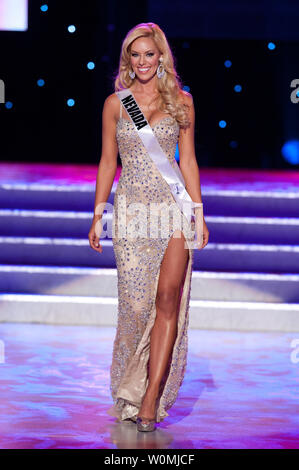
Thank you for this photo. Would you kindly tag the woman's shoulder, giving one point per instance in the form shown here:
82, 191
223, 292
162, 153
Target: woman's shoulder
112, 99
111, 104
185, 97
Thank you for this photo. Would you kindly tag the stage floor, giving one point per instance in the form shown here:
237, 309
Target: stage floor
240, 391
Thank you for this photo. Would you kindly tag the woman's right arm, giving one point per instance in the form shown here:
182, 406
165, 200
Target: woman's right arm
107, 168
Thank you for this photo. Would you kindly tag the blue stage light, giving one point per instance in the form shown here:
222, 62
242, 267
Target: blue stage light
8, 104
186, 87
70, 102
227, 63
290, 151
71, 28
233, 144
237, 88
40, 82
91, 65
271, 46
222, 123
44, 7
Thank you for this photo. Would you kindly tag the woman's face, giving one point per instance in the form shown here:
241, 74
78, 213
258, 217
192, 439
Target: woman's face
144, 58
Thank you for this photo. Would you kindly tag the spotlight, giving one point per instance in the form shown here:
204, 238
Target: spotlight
8, 104
271, 46
71, 28
187, 88
91, 65
237, 88
40, 82
44, 7
227, 63
70, 102
222, 124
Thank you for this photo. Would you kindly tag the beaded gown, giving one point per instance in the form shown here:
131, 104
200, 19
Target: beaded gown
138, 260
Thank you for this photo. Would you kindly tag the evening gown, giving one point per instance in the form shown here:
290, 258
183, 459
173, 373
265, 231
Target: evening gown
138, 262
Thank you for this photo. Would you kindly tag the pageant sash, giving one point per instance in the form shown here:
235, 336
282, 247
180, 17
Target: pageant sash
172, 175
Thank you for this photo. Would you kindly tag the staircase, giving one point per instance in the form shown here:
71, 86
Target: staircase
246, 278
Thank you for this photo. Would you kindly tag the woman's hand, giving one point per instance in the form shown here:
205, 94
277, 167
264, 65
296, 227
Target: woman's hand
95, 233
202, 232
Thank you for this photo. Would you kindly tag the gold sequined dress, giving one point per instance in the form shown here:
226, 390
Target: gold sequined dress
138, 261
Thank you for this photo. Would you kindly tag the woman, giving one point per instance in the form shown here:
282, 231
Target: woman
154, 273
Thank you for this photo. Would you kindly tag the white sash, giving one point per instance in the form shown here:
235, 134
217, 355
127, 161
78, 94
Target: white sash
172, 175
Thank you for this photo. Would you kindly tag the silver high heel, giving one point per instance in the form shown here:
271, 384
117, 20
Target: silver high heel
147, 424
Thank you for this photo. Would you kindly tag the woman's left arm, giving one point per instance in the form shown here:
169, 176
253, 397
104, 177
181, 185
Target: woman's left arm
190, 170
188, 163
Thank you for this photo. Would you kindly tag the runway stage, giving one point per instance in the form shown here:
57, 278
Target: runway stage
240, 392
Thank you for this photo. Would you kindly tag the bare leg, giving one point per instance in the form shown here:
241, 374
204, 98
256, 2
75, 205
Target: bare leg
164, 331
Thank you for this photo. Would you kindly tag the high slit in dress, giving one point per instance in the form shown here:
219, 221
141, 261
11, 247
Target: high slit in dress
138, 260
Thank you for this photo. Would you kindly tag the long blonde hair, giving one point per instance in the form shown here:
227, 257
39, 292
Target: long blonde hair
169, 85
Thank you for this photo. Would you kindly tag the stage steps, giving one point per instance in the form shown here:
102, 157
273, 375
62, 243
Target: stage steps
246, 278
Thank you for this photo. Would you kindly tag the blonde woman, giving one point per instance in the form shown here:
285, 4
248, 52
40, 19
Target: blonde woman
154, 272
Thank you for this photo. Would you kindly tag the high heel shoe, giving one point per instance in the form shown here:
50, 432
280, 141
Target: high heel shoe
147, 424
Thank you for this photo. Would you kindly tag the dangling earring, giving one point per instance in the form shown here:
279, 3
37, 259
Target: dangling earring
132, 74
160, 69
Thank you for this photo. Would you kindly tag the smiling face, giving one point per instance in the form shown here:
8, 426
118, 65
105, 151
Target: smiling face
144, 57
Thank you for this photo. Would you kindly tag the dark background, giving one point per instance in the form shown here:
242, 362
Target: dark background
41, 127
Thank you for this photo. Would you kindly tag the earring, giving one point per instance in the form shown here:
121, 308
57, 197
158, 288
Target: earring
132, 74
160, 69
